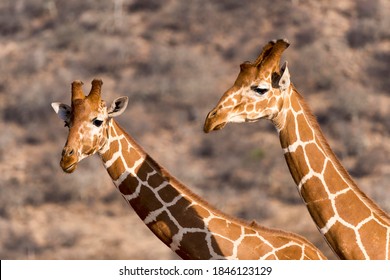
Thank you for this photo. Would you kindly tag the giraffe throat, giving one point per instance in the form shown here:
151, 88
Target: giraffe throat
185, 223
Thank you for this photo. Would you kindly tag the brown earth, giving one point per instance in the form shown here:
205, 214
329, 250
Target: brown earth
174, 60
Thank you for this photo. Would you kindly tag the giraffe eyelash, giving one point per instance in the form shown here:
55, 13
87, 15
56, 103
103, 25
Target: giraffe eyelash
259, 90
96, 122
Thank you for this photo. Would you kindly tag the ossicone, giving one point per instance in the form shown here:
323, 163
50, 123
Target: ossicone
271, 54
96, 88
77, 90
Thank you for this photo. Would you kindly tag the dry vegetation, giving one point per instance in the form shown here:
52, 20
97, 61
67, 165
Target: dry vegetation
174, 60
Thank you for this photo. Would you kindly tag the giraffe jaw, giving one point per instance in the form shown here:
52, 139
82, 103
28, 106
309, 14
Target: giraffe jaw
220, 126
252, 120
70, 168
209, 126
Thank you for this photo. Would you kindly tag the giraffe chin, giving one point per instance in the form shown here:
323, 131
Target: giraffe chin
208, 128
70, 168
252, 120
220, 126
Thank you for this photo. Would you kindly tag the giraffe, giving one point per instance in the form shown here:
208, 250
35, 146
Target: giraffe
352, 224
187, 224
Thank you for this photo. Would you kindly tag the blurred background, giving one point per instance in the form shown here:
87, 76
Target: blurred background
174, 59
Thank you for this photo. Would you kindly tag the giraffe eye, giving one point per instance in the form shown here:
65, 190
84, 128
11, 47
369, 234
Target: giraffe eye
259, 90
97, 122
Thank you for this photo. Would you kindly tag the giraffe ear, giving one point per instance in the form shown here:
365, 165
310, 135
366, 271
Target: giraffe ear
118, 106
62, 110
284, 81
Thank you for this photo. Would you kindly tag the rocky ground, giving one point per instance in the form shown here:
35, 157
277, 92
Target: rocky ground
174, 60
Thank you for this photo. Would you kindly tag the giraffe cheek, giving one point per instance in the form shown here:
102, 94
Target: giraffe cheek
261, 105
87, 150
91, 147
250, 107
102, 142
95, 143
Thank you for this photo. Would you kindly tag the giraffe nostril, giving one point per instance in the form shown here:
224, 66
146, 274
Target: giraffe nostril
213, 114
67, 151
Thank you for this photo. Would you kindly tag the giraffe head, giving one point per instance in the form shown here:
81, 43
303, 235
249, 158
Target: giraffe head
87, 119
257, 92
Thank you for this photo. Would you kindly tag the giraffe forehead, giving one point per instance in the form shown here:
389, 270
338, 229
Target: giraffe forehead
83, 109
234, 93
83, 112
81, 133
252, 74
246, 76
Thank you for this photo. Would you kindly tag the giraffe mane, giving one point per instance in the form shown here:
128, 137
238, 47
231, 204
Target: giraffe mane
329, 152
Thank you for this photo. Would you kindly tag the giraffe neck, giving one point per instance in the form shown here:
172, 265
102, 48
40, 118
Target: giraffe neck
180, 219
354, 226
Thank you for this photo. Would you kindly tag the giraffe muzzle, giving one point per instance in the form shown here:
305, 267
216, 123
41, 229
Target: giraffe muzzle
69, 159
213, 121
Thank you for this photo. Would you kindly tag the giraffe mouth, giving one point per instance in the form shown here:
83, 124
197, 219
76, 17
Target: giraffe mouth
252, 120
209, 127
220, 126
70, 168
